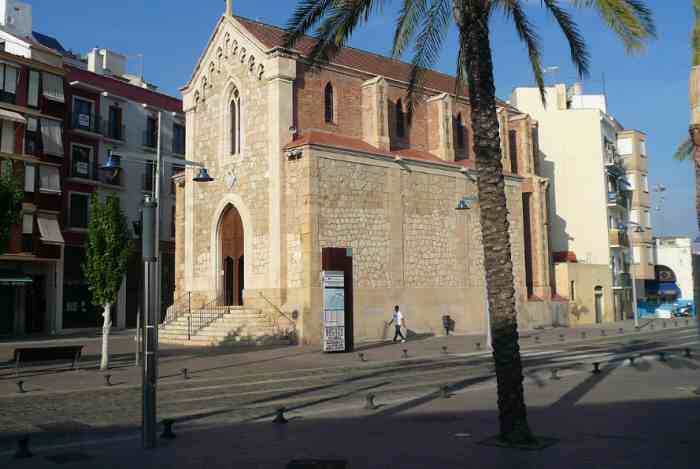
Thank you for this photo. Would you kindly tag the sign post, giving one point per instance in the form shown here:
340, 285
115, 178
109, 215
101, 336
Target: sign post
334, 311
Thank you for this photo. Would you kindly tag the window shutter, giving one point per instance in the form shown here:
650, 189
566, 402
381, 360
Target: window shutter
28, 223
33, 93
29, 178
52, 137
8, 137
49, 180
53, 87
11, 80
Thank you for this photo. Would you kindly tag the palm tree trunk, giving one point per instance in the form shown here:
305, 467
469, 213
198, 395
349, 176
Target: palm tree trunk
494, 225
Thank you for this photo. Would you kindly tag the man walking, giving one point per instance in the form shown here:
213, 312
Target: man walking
398, 321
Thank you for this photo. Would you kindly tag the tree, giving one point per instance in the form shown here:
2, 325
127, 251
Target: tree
10, 204
690, 149
106, 258
424, 25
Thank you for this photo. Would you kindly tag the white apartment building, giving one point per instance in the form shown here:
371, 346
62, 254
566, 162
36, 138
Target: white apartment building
590, 200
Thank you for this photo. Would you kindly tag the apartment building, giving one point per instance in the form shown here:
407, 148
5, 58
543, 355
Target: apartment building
595, 190
32, 109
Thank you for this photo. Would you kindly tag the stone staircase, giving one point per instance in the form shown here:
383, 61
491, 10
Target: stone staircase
237, 325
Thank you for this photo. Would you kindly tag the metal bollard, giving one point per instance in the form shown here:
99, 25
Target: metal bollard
596, 368
651, 326
631, 359
583, 335
445, 391
662, 356
444, 350
168, 429
362, 356
20, 387
555, 374
279, 418
478, 345
185, 373
369, 403
108, 380
405, 353
620, 331
603, 333
687, 353
537, 339
23, 448
664, 324
561, 337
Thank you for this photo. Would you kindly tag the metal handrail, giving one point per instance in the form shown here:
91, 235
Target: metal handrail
205, 315
280, 312
182, 305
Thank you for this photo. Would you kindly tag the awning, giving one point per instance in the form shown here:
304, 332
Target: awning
49, 229
12, 278
662, 288
12, 116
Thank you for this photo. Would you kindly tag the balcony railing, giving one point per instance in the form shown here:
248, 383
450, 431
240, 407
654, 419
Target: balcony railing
88, 122
617, 199
619, 238
115, 131
622, 280
150, 139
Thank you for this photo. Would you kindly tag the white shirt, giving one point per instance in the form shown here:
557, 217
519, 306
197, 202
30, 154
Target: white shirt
398, 318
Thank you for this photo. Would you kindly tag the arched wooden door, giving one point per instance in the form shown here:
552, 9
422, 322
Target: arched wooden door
232, 256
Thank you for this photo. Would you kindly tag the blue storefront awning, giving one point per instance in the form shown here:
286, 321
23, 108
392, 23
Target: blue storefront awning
662, 288
13, 278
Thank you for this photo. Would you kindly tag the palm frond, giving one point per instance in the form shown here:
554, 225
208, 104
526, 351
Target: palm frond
527, 34
577, 45
696, 34
428, 45
305, 16
409, 18
631, 20
684, 151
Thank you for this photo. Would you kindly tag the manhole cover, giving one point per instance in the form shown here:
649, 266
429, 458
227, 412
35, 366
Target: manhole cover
65, 458
317, 464
66, 426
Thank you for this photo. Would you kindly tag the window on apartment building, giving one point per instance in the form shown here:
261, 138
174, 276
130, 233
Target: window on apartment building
29, 177
83, 116
459, 131
235, 118
400, 120
643, 147
81, 161
149, 177
179, 139
172, 221
49, 180
647, 219
6, 168
115, 128
33, 86
631, 181
7, 136
9, 76
52, 137
634, 216
329, 104
645, 182
572, 290
625, 146
79, 210
53, 87
32, 141
636, 254
513, 145
151, 135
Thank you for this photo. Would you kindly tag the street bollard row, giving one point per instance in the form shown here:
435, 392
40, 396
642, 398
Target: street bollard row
20, 387
185, 373
445, 391
361, 356
168, 429
108, 380
279, 417
369, 402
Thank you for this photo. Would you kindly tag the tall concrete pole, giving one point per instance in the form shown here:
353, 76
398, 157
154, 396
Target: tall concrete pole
150, 325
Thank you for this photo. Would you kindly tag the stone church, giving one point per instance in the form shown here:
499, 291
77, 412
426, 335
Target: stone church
305, 160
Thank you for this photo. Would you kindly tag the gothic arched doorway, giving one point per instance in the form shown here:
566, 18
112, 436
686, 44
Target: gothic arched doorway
231, 233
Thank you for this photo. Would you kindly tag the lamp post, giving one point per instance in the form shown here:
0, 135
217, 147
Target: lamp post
150, 241
635, 310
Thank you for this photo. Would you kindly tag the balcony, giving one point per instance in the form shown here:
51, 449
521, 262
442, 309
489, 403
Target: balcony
86, 122
617, 199
618, 239
611, 157
622, 280
114, 131
150, 139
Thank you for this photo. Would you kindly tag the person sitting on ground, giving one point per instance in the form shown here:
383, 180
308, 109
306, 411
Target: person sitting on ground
398, 321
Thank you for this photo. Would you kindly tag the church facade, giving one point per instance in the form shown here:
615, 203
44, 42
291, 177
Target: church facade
310, 159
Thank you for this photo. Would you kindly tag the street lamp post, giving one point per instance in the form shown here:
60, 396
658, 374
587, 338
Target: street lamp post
635, 309
150, 248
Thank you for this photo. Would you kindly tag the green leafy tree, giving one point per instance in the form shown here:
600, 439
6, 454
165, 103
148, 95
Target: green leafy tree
106, 258
10, 205
424, 24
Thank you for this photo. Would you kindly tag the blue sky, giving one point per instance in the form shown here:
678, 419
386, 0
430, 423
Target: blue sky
648, 92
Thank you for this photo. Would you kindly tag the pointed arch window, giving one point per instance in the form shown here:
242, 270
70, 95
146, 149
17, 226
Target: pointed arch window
235, 116
459, 131
329, 104
400, 120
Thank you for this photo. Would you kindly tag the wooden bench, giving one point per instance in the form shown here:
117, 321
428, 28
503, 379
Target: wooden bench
48, 354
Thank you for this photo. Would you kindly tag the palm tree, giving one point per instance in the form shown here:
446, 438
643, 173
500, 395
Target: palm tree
425, 24
690, 149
